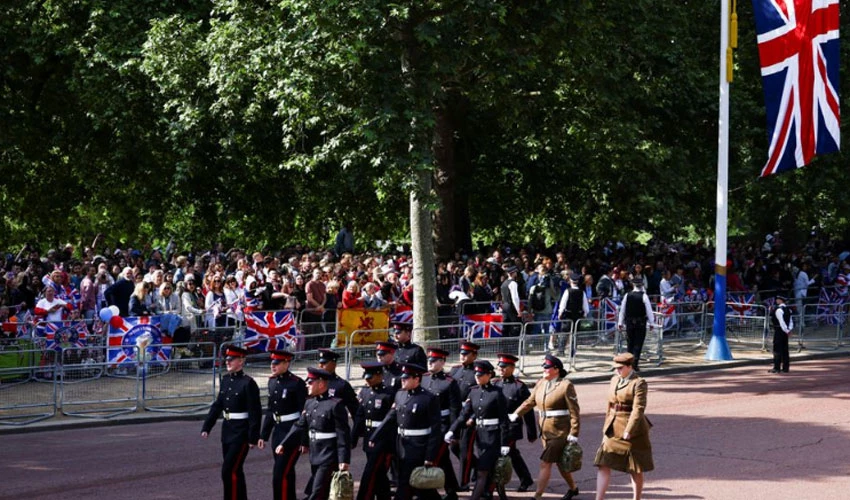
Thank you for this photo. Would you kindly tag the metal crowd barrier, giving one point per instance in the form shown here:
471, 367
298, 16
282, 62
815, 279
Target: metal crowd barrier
820, 326
84, 393
22, 400
747, 329
184, 383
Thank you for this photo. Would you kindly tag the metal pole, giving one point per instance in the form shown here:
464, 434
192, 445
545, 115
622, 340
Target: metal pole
718, 348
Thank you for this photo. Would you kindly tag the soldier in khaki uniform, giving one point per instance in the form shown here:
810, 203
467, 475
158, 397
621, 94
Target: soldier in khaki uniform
625, 434
555, 398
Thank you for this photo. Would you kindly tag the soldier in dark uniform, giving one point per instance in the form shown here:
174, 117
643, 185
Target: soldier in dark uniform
510, 303
338, 387
464, 374
415, 416
447, 391
783, 325
385, 353
239, 402
407, 351
516, 392
635, 314
323, 427
485, 411
287, 395
375, 402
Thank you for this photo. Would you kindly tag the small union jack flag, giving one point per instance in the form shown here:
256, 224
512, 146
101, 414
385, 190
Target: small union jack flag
270, 330
402, 314
482, 326
59, 334
611, 309
798, 49
830, 308
741, 304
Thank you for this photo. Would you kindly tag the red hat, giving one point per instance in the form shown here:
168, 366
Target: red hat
235, 352
281, 356
469, 346
385, 346
507, 359
437, 353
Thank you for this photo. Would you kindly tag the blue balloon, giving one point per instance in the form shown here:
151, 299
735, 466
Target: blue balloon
105, 314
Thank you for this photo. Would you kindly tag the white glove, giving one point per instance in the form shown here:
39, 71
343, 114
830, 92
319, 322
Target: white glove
505, 450
513, 417
448, 437
572, 439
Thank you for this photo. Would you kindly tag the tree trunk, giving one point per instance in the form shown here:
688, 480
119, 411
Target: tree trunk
444, 184
422, 245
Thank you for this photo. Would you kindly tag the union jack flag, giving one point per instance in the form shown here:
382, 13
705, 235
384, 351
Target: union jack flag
741, 304
59, 334
798, 49
123, 340
830, 308
402, 316
482, 326
270, 330
611, 309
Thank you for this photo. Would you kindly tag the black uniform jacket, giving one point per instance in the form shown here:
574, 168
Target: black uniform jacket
448, 392
326, 415
287, 395
516, 392
375, 403
417, 411
239, 394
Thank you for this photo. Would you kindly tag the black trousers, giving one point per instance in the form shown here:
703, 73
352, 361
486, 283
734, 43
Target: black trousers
232, 475
283, 475
468, 461
444, 462
374, 482
519, 465
322, 475
781, 358
635, 336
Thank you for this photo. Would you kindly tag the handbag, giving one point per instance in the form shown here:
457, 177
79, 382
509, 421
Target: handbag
342, 486
427, 478
503, 471
571, 458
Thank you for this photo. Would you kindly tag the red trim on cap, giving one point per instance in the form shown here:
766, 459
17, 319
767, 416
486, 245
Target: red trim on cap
507, 360
385, 348
435, 354
281, 357
234, 353
468, 347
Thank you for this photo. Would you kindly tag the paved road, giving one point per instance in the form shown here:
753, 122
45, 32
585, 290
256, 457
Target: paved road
737, 433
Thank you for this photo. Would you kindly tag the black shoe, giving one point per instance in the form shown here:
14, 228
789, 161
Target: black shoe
570, 494
524, 486
773, 371
450, 496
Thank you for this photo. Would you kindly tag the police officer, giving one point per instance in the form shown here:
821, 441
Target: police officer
636, 315
385, 353
572, 306
416, 417
516, 392
510, 303
783, 325
407, 351
376, 399
287, 395
447, 391
338, 387
485, 411
323, 427
239, 402
464, 374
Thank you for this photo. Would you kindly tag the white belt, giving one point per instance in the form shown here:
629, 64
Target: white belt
414, 432
373, 423
286, 418
445, 413
235, 416
554, 413
322, 435
483, 422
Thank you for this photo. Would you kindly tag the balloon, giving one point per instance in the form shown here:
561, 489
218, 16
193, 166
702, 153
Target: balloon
105, 314
116, 321
115, 310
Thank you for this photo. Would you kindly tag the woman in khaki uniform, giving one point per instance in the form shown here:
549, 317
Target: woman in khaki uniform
559, 419
625, 435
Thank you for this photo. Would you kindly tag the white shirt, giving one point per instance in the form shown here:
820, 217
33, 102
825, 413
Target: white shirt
781, 318
802, 283
562, 305
46, 305
649, 316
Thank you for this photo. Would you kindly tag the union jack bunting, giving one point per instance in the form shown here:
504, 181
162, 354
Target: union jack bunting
611, 310
141, 331
741, 304
798, 49
482, 326
59, 334
270, 330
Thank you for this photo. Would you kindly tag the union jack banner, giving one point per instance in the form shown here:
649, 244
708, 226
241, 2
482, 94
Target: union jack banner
270, 330
402, 314
611, 310
142, 332
798, 49
668, 312
62, 334
741, 304
482, 326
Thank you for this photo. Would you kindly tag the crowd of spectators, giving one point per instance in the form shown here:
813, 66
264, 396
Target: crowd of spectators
219, 284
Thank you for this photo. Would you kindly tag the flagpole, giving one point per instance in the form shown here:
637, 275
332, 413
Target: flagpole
718, 348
